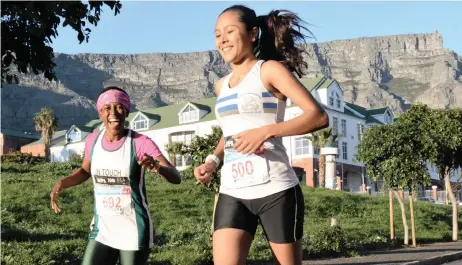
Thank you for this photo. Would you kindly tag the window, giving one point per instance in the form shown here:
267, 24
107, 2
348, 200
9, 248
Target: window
73, 135
186, 138
338, 150
345, 180
301, 146
344, 134
139, 123
189, 114
334, 125
338, 103
316, 150
344, 151
360, 128
331, 101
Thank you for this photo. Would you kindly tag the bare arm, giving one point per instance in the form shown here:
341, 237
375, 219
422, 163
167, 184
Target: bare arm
77, 177
168, 171
313, 118
219, 150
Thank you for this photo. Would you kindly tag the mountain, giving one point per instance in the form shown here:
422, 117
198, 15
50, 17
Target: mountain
395, 71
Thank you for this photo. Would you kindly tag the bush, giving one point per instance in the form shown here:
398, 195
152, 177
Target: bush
22, 158
329, 240
75, 159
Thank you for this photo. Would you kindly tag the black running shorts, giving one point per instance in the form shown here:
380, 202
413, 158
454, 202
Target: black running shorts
281, 214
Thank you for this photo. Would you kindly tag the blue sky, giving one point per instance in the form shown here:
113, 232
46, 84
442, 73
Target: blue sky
150, 27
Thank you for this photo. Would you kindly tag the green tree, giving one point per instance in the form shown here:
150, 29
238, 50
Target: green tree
446, 151
28, 28
46, 122
320, 139
199, 148
390, 153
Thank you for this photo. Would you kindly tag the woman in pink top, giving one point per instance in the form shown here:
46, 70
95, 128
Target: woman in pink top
116, 159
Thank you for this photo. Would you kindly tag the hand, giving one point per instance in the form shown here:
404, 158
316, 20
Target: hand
54, 197
204, 172
250, 141
150, 163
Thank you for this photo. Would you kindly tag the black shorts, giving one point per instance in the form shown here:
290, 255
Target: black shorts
281, 214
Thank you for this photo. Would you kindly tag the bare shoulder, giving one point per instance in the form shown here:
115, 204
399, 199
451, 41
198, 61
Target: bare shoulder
271, 66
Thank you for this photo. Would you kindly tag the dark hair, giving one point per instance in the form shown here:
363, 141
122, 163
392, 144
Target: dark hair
111, 88
279, 32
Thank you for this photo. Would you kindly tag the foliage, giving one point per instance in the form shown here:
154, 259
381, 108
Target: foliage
446, 140
18, 157
46, 122
322, 138
75, 159
392, 152
33, 234
329, 240
28, 28
199, 148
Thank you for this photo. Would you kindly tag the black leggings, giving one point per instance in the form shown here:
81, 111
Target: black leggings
100, 254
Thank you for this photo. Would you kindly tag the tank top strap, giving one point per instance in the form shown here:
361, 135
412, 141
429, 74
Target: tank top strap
225, 84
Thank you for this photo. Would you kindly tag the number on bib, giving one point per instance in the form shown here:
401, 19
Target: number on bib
113, 201
243, 171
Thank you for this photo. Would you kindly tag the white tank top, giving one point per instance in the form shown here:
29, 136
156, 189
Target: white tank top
247, 106
122, 219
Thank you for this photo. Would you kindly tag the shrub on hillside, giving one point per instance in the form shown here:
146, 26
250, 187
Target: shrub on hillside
328, 241
22, 158
75, 159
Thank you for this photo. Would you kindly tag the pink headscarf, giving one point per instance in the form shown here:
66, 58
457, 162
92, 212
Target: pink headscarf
111, 96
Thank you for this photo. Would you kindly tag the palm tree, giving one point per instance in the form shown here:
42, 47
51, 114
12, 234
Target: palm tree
320, 139
47, 123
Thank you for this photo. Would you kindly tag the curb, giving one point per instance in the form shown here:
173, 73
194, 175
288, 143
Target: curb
437, 259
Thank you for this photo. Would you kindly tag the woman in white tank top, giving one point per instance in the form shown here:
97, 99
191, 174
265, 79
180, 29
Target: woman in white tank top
258, 183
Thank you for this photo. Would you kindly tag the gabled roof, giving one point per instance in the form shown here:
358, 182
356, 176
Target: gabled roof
312, 83
150, 116
20, 133
56, 135
169, 114
363, 111
84, 131
378, 111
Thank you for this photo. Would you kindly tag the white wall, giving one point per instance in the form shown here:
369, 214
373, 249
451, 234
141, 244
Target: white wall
351, 138
161, 136
62, 153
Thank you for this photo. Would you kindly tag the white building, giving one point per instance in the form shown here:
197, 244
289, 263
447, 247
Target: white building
181, 122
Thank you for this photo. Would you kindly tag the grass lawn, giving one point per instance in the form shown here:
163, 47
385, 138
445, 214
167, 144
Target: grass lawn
32, 234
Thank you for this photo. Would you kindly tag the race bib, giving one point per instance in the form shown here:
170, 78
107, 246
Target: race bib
241, 171
113, 200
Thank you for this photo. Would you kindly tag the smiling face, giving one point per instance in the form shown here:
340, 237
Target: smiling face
113, 116
232, 39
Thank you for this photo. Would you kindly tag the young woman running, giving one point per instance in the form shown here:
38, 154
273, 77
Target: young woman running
258, 183
116, 159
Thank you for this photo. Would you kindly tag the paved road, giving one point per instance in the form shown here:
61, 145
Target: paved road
394, 257
457, 262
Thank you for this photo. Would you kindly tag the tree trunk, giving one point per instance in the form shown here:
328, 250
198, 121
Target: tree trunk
392, 225
322, 170
46, 142
403, 216
411, 206
455, 226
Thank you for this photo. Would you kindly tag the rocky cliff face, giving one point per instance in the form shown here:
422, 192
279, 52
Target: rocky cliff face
394, 71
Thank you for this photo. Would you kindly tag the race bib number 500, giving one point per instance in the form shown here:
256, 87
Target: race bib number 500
244, 170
